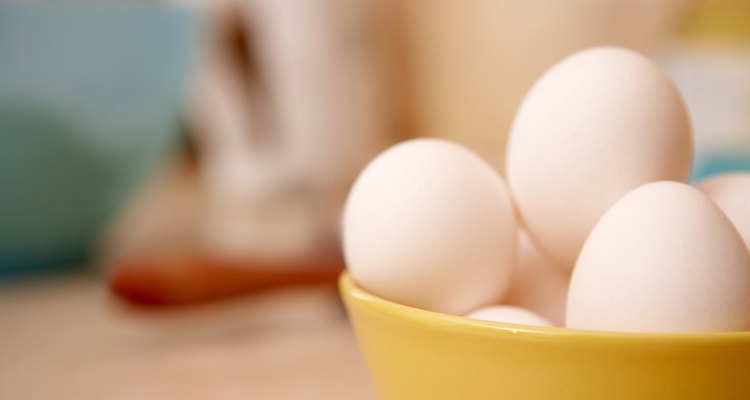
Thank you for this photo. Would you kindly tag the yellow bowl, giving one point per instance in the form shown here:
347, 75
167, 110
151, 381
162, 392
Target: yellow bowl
414, 354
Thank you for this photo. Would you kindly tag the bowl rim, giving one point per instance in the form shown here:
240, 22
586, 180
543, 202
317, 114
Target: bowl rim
351, 290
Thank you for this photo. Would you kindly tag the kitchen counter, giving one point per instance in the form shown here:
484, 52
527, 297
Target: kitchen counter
66, 338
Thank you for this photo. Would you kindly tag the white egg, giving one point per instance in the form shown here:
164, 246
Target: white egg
509, 314
538, 284
731, 192
596, 125
664, 258
430, 224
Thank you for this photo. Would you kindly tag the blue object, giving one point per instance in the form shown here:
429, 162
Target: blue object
90, 101
717, 163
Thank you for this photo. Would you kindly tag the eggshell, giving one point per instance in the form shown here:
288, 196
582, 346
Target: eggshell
596, 125
429, 224
731, 192
509, 314
664, 258
538, 284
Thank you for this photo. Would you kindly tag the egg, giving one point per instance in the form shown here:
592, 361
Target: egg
596, 125
538, 284
509, 314
430, 224
731, 192
664, 258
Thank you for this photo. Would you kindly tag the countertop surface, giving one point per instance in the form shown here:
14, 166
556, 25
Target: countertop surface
66, 338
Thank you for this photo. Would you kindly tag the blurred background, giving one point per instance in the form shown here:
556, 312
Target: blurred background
172, 172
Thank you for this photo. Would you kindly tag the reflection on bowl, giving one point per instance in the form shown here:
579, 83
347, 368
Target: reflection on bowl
416, 354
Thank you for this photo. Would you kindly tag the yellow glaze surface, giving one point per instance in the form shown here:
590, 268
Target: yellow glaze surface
414, 354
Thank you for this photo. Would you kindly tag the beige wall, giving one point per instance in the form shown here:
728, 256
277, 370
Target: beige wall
468, 63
